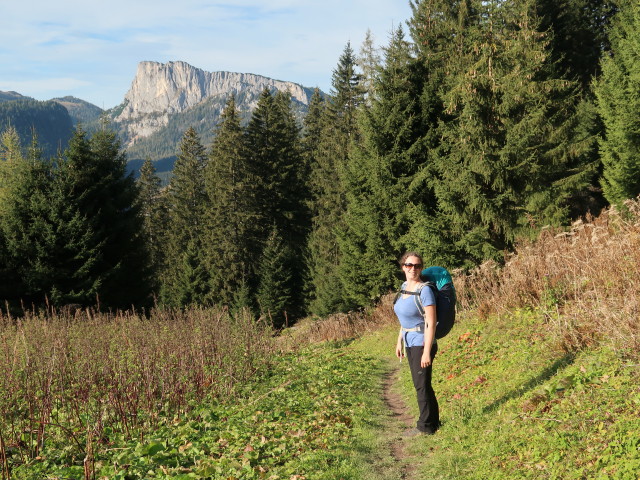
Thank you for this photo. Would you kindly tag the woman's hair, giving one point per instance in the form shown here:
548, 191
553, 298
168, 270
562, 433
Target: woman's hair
404, 257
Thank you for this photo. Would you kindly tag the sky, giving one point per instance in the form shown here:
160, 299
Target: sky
90, 49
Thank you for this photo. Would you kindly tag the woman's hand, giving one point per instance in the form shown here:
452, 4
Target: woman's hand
399, 350
425, 360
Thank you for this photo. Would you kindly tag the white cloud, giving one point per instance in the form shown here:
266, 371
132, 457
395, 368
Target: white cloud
98, 44
54, 86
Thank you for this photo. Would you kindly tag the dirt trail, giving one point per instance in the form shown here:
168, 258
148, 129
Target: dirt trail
399, 420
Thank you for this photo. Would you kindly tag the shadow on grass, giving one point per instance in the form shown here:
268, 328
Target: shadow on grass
532, 383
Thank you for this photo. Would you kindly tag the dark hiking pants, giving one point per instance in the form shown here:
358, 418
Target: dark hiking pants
429, 419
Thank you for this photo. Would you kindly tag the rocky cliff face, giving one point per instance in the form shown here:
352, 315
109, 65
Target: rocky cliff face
161, 90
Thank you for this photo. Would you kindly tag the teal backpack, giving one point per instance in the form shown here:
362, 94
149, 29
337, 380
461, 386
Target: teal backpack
440, 282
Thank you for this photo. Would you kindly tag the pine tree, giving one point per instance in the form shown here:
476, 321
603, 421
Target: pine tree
152, 204
329, 198
186, 203
379, 174
508, 158
232, 236
275, 289
275, 151
618, 104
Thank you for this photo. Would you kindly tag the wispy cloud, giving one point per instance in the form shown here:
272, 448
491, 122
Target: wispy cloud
92, 48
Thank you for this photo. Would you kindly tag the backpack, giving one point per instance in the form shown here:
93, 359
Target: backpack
440, 282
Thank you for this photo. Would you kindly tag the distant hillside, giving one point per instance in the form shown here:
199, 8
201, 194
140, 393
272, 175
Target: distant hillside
79, 110
50, 120
8, 96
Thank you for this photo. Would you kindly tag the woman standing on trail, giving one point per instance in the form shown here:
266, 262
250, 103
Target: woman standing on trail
417, 332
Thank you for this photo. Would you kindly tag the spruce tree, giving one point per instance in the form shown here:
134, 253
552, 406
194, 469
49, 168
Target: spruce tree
379, 175
275, 152
153, 209
50, 249
618, 104
105, 194
275, 290
274, 149
509, 157
311, 136
578, 35
369, 61
191, 281
186, 204
232, 236
326, 183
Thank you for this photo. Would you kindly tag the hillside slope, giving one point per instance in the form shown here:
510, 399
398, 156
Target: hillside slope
513, 405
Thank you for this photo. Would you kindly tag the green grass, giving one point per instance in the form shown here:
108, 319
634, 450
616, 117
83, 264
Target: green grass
514, 406
300, 421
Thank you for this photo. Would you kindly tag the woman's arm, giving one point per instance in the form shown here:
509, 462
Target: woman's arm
429, 334
399, 345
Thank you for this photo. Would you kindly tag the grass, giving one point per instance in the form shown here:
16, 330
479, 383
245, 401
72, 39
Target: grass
296, 421
514, 406
539, 379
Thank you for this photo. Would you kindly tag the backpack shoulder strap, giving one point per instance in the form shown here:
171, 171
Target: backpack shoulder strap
416, 299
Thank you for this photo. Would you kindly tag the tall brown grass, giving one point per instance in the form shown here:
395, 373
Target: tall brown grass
342, 326
584, 280
76, 375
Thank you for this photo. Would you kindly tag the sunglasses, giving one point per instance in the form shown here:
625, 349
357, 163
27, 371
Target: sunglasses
412, 265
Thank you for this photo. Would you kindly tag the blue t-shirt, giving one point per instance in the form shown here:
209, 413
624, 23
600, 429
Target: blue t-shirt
409, 315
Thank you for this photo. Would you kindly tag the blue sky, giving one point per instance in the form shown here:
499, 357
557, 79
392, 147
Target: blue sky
90, 49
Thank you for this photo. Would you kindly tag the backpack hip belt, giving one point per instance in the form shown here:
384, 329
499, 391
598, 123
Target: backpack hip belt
418, 328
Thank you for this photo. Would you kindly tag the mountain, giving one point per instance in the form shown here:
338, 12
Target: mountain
166, 99
80, 110
163, 102
8, 96
50, 120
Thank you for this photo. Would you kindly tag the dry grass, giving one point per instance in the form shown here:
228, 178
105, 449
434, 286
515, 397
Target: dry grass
585, 280
79, 374
342, 326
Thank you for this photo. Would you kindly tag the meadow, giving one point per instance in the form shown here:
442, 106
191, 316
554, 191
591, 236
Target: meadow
538, 379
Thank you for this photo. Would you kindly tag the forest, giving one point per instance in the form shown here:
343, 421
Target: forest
478, 124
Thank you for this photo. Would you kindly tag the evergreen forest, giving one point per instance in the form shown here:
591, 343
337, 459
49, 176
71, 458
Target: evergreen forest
478, 123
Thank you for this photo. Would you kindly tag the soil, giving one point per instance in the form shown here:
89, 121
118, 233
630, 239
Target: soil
399, 420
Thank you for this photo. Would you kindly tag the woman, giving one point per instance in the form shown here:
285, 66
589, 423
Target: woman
418, 335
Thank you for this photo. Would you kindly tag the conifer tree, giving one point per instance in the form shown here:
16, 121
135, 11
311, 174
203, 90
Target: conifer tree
50, 248
618, 104
231, 237
578, 35
275, 289
326, 184
509, 156
186, 203
10, 159
105, 194
312, 135
379, 174
368, 61
275, 152
191, 282
152, 205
